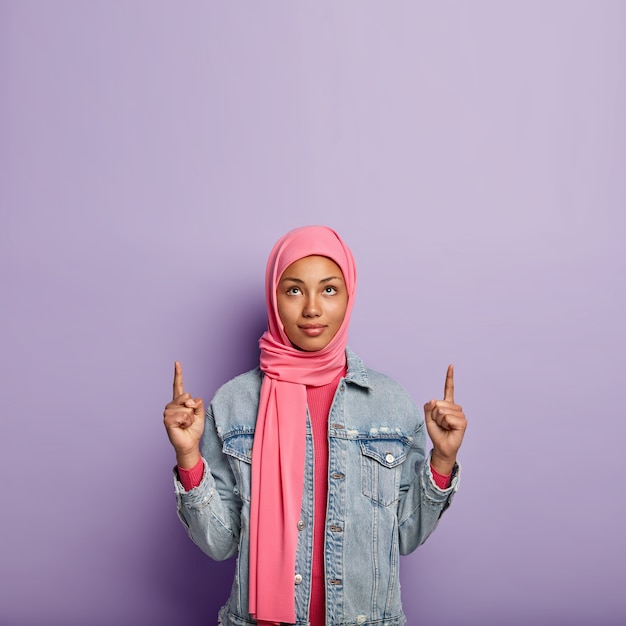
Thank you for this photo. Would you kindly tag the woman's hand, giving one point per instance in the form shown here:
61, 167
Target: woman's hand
446, 424
184, 421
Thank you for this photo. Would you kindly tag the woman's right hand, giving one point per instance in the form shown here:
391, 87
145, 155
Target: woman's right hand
184, 421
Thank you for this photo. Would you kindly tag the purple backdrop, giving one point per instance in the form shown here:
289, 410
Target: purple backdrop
472, 154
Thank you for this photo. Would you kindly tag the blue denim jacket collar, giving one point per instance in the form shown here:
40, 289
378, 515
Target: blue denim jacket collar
357, 372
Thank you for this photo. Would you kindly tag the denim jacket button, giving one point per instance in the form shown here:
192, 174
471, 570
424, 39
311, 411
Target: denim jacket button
301, 525
298, 579
389, 458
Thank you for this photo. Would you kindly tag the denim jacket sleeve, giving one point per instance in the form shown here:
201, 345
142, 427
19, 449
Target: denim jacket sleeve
211, 511
422, 502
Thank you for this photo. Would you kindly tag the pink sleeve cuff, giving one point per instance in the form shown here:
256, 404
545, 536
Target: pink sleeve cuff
191, 478
442, 481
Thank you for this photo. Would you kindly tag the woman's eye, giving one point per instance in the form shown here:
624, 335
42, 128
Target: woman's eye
330, 290
294, 291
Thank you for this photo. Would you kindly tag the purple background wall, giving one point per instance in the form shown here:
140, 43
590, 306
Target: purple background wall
472, 154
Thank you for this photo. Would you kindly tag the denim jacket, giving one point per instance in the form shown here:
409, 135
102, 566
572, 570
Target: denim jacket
382, 500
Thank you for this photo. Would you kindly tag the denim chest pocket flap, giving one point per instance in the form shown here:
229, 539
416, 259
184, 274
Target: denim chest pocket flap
238, 447
388, 452
381, 461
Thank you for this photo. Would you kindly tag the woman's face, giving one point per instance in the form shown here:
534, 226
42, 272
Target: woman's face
312, 299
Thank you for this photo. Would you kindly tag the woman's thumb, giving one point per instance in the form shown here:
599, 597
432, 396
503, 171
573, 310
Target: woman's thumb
199, 409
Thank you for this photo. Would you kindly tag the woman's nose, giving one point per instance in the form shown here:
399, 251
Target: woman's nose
312, 307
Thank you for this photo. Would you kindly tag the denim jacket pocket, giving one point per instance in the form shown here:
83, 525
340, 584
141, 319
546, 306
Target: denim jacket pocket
238, 447
381, 466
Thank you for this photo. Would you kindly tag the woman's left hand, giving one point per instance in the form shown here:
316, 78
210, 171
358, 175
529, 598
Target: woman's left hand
446, 426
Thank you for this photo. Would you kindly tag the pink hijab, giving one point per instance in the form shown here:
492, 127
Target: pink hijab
280, 438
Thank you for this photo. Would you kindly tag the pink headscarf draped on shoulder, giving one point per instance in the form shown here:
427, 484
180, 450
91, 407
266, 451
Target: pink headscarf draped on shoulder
280, 438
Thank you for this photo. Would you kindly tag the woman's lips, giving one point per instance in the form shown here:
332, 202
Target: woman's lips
312, 330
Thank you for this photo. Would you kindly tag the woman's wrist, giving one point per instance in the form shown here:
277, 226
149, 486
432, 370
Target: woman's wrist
188, 459
442, 464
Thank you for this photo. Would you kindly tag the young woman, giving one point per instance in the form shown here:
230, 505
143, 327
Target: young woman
311, 467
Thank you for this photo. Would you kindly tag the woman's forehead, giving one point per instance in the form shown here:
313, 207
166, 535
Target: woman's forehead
313, 263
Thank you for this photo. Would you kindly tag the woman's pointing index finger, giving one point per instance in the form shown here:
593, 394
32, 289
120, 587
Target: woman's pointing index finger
448, 390
178, 380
